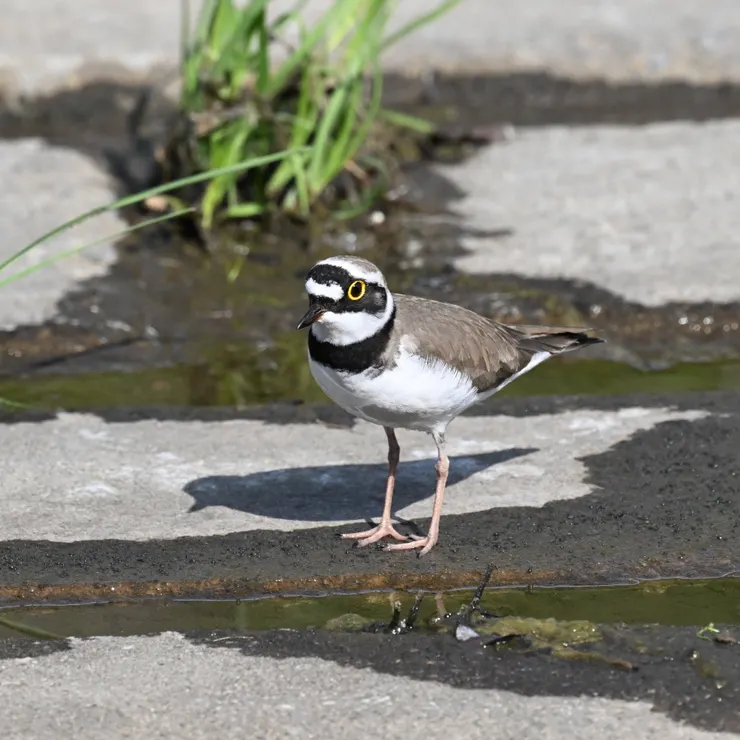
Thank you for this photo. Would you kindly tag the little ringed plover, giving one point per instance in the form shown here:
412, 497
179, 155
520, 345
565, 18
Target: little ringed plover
412, 363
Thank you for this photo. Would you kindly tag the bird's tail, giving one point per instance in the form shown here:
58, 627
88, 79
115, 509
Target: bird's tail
554, 340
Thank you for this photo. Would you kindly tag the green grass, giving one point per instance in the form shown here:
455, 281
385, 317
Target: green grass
255, 85
281, 131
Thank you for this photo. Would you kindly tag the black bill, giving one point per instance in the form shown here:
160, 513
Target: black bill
314, 312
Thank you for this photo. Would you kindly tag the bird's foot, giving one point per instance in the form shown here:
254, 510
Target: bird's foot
425, 543
384, 529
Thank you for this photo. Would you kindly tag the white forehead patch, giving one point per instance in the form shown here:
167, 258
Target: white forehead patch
333, 291
360, 269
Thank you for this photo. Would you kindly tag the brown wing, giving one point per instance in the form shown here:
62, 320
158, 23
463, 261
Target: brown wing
488, 352
474, 345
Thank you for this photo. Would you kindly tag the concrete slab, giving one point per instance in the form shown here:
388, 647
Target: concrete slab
170, 479
612, 38
649, 213
618, 39
657, 496
167, 687
43, 187
73, 44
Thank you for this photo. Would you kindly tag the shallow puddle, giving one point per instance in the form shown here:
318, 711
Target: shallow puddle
243, 377
674, 603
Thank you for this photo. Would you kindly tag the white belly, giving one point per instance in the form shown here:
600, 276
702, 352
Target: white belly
415, 394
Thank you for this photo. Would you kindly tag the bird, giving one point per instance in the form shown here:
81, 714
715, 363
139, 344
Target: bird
406, 362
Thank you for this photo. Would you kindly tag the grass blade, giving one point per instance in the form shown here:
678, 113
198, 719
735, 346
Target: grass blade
139, 197
245, 210
308, 42
232, 152
27, 630
110, 237
303, 124
404, 120
337, 106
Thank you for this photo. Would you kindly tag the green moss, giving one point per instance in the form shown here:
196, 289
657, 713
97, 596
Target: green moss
544, 633
348, 623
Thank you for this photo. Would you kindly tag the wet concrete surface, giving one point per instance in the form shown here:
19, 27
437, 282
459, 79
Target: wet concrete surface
115, 683
525, 99
663, 502
687, 678
158, 308
683, 673
161, 309
659, 501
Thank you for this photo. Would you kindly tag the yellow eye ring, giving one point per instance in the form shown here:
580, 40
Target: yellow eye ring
356, 290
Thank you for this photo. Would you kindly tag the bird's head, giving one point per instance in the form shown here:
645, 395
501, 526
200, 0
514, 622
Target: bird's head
348, 300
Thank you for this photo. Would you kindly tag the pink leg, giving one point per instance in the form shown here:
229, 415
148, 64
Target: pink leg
385, 528
443, 468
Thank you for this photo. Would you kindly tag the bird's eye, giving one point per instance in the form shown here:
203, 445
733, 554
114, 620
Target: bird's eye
356, 290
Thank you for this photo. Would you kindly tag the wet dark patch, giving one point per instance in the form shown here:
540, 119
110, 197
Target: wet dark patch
668, 666
544, 99
222, 326
666, 502
99, 114
118, 124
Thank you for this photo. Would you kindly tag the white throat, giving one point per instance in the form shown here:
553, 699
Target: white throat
348, 327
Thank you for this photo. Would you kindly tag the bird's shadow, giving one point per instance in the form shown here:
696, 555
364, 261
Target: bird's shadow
333, 492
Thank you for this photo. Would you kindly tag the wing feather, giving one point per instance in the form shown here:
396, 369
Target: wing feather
488, 352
